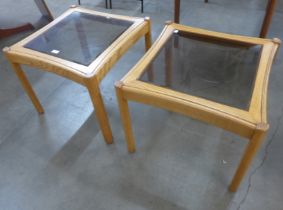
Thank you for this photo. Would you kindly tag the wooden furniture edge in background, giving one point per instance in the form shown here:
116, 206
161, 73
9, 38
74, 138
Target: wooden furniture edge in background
265, 24
43, 8
5, 32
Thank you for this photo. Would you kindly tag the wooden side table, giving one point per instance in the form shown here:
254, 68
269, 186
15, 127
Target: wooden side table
220, 79
94, 43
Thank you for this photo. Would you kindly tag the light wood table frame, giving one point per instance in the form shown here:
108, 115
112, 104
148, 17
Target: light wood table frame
89, 76
251, 124
265, 23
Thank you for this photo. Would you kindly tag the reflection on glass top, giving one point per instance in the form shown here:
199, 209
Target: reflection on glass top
79, 37
214, 70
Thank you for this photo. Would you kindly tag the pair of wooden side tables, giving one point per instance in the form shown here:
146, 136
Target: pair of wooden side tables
214, 77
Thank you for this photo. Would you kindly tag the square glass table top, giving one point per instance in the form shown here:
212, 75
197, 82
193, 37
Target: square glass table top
79, 37
215, 70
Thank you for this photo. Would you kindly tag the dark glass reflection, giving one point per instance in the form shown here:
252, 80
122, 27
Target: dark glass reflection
79, 37
210, 69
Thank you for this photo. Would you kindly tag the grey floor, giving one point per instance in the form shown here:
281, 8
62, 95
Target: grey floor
59, 160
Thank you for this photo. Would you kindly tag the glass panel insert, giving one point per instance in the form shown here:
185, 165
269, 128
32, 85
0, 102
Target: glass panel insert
216, 70
79, 37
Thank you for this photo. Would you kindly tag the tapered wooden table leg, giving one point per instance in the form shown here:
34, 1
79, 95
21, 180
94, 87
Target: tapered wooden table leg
148, 43
94, 92
26, 85
43, 8
251, 150
177, 11
268, 17
126, 118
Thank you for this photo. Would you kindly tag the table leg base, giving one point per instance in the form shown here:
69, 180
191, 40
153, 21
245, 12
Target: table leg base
11, 31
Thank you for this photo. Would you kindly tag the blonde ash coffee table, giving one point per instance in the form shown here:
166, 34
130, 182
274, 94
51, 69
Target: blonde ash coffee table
217, 78
81, 45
